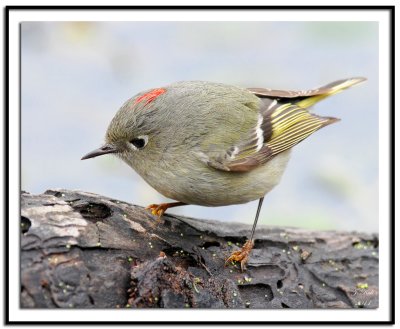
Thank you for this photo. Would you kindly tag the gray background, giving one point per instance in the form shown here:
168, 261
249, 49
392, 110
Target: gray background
75, 75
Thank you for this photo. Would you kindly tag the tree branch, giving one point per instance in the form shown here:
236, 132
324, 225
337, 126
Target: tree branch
82, 250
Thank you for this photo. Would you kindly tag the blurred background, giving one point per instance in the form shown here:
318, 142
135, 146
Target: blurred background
75, 76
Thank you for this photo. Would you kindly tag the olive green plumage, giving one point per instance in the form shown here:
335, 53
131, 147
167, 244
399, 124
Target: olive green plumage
212, 144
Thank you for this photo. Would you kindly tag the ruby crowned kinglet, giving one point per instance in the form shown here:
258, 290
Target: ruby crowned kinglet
211, 144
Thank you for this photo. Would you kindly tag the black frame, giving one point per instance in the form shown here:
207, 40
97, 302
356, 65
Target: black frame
7, 11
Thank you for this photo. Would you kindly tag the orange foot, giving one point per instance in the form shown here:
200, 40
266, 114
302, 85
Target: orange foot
242, 255
160, 209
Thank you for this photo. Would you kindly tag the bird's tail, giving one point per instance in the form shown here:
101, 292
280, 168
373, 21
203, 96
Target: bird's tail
328, 90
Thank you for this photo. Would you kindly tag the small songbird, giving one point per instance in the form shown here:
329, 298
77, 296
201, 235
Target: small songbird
211, 144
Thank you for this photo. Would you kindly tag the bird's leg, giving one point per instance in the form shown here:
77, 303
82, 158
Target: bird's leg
159, 209
242, 255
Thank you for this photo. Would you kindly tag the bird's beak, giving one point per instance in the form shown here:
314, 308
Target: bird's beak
105, 149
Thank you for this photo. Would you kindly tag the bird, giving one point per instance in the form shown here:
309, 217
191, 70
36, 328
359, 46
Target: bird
212, 144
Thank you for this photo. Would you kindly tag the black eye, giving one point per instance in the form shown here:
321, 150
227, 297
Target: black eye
138, 142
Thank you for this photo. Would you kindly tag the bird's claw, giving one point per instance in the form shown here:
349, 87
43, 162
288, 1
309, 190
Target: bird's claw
158, 209
241, 255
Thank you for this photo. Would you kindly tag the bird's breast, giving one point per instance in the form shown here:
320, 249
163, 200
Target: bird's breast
196, 183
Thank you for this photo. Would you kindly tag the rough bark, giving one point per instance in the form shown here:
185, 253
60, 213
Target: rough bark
81, 250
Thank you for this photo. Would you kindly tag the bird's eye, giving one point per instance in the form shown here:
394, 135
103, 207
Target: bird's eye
139, 142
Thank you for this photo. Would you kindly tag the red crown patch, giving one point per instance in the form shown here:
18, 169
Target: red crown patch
150, 96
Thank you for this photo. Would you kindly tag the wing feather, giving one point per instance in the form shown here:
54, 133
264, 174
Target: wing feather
290, 125
283, 122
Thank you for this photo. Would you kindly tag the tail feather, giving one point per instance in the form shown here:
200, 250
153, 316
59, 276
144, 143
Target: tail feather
328, 90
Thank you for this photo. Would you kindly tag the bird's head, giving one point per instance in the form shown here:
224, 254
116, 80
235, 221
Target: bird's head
132, 129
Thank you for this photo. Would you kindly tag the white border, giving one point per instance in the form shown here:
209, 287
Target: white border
16, 314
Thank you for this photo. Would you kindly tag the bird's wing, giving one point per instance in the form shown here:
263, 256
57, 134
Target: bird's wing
279, 127
283, 121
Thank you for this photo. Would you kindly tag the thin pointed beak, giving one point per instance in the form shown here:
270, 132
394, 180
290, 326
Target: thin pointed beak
105, 149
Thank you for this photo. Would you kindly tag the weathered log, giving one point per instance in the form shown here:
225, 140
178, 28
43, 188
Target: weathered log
81, 250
